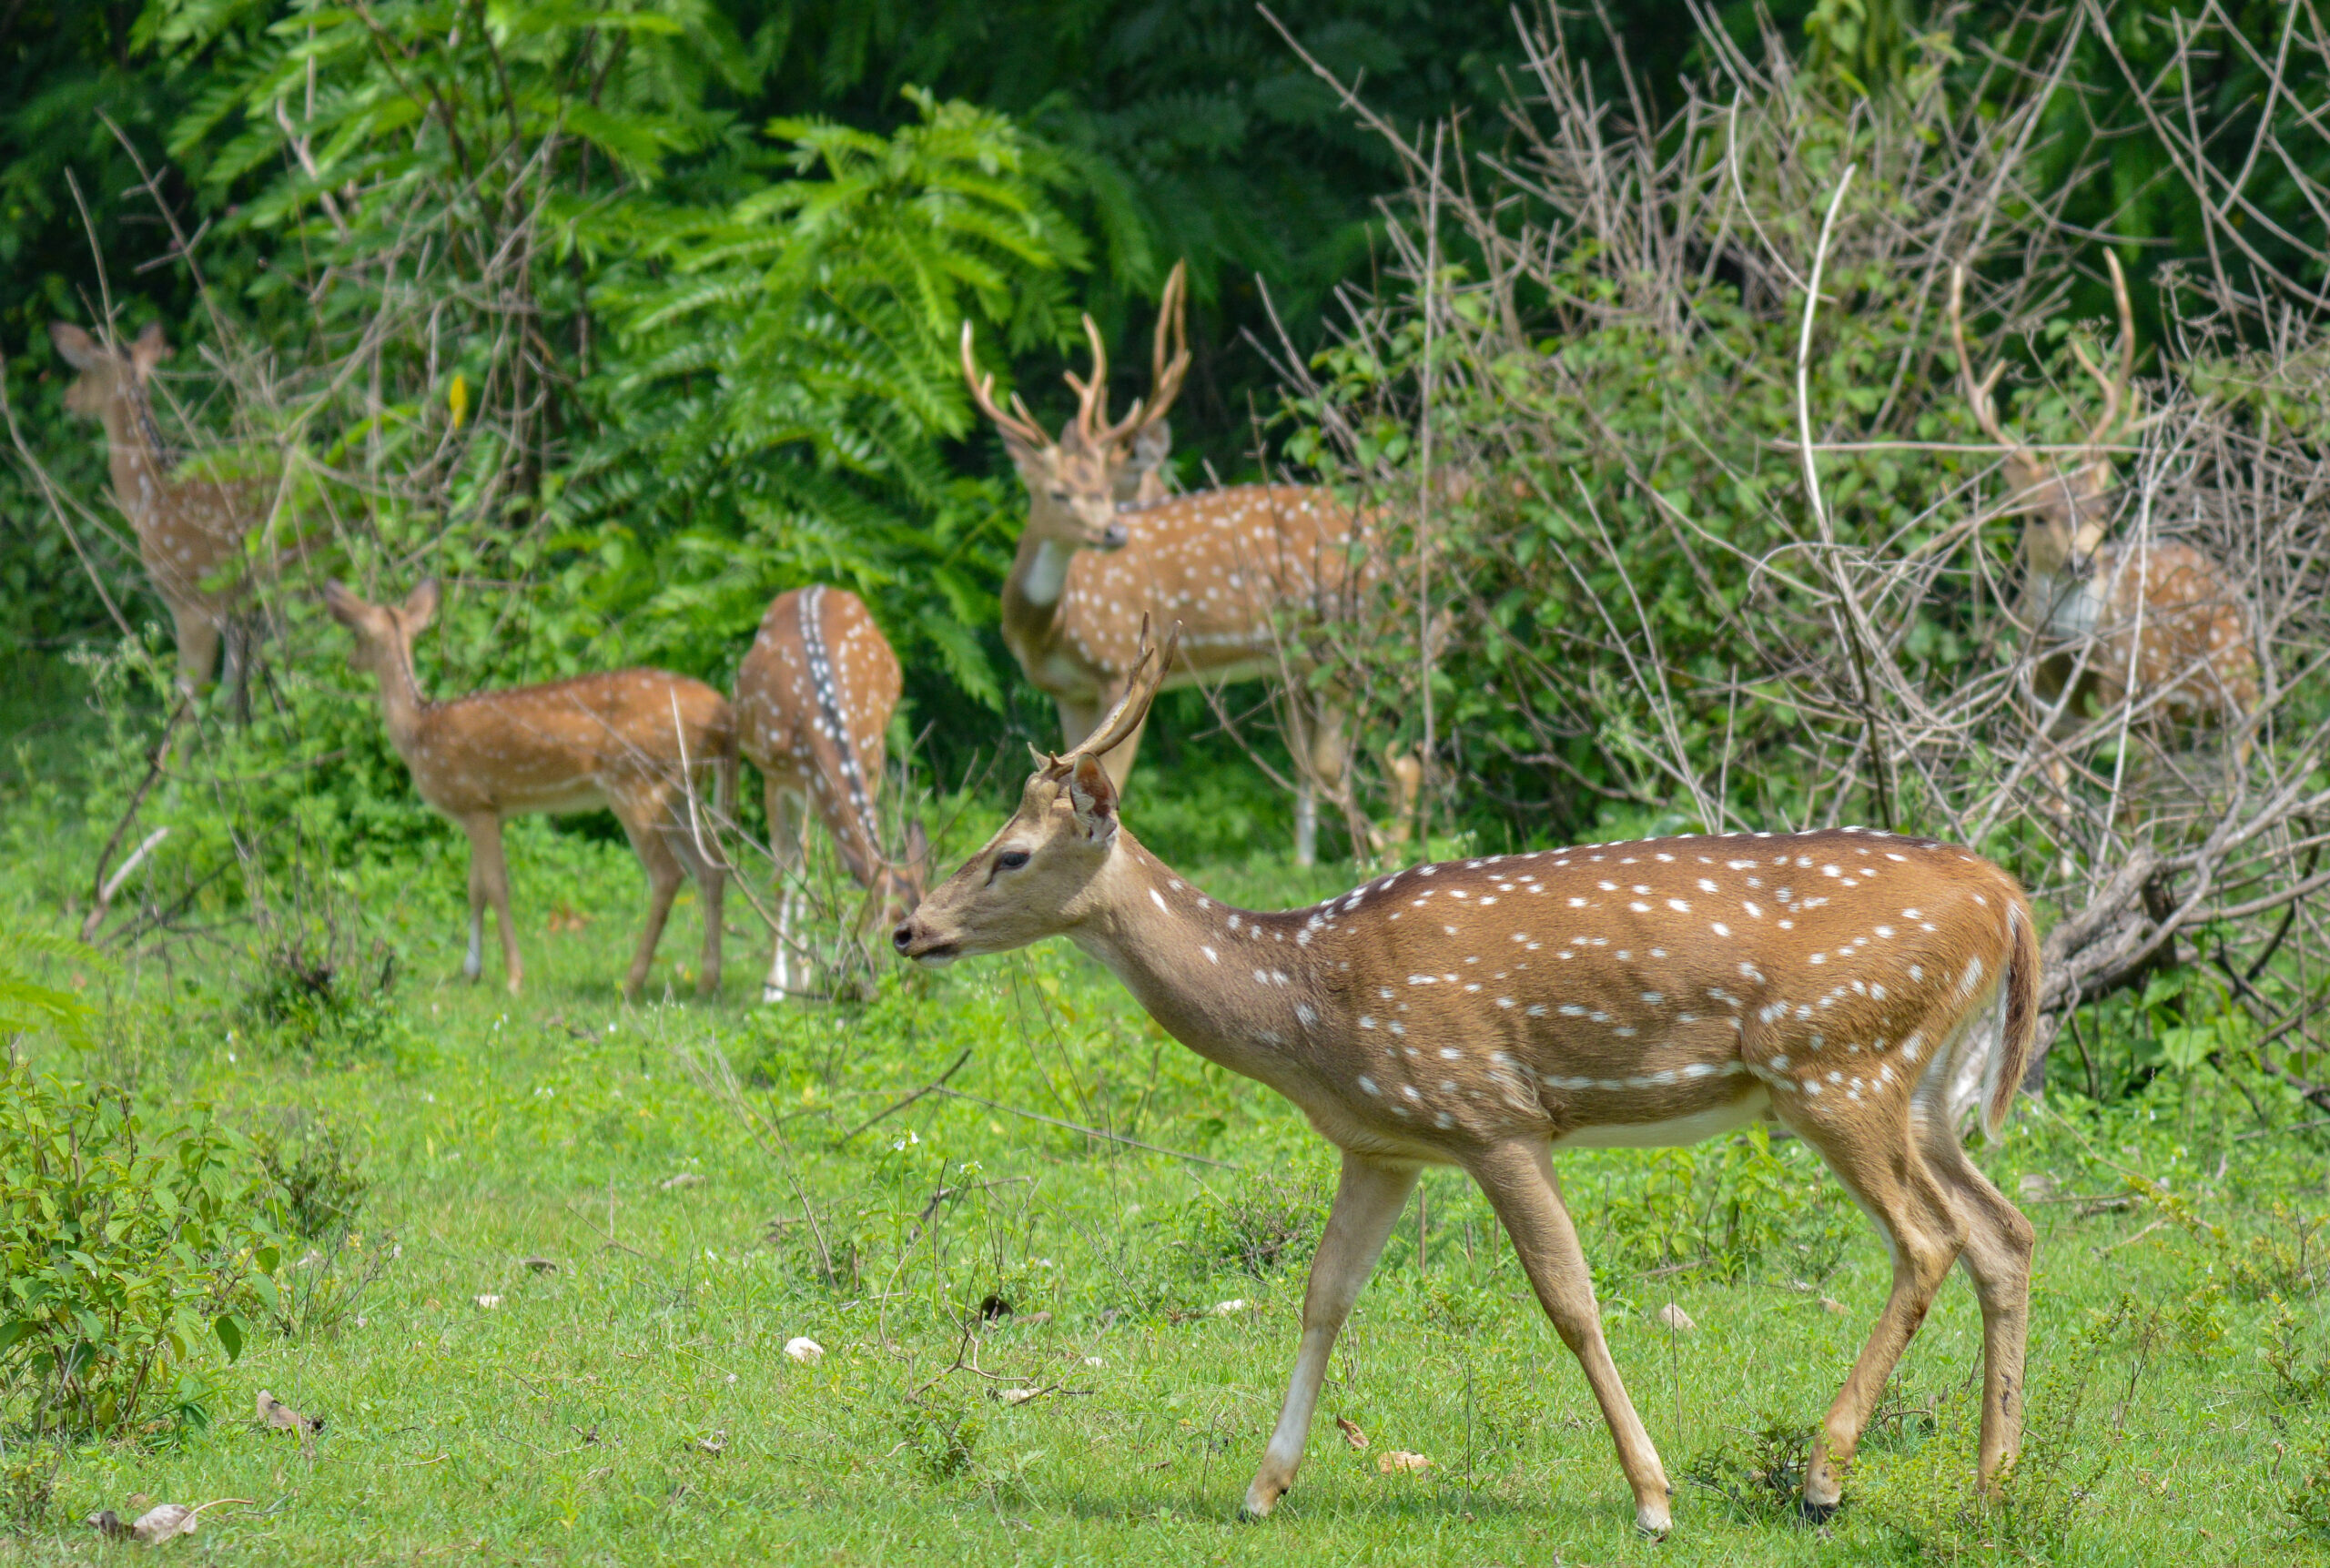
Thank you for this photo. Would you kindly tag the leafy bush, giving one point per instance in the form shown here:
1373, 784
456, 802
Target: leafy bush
129, 1236
1725, 1208
1268, 1223
2308, 1502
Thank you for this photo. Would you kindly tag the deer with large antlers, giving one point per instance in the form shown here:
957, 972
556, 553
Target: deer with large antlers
814, 700
189, 531
630, 741
1104, 545
2155, 627
1864, 990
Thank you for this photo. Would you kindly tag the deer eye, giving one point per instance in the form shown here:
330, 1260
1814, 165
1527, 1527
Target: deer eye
1061, 496
1012, 860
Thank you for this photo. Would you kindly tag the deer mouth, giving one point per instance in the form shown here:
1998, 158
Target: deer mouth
918, 946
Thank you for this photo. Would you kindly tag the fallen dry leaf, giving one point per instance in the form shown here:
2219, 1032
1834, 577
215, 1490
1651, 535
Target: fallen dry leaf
541, 1265
715, 1443
1400, 1459
1830, 1304
1224, 1309
1675, 1317
488, 1300
1017, 1396
684, 1179
805, 1350
1352, 1434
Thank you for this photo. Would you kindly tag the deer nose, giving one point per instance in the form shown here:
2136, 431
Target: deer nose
903, 937
1116, 536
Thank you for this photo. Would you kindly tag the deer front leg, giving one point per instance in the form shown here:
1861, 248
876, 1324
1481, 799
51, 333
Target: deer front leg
1522, 1188
489, 884
1368, 1200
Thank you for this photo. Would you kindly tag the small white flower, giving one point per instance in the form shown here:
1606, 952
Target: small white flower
488, 1301
805, 1350
1224, 1309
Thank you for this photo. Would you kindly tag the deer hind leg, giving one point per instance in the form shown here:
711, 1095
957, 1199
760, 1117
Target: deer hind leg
664, 875
196, 630
1326, 772
789, 825
1871, 1147
489, 884
2000, 1242
1368, 1201
1521, 1185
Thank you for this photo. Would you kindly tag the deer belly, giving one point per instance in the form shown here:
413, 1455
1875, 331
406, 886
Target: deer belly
1696, 1127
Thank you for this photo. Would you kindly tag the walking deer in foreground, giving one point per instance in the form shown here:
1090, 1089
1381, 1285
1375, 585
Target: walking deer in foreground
2155, 626
633, 742
1105, 544
189, 531
814, 700
1862, 989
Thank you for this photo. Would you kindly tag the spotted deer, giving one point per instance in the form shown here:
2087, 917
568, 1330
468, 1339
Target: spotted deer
2155, 626
813, 698
189, 531
633, 742
1863, 990
1106, 543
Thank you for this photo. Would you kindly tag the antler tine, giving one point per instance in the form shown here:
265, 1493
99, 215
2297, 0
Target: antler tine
2116, 388
1977, 393
1092, 397
1018, 422
1165, 374
1148, 673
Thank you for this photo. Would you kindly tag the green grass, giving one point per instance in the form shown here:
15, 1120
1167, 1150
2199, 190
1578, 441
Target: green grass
573, 1421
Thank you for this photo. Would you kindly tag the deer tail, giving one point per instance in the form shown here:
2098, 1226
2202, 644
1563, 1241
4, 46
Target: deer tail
2011, 1059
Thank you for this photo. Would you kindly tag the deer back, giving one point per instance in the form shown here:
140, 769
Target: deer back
1223, 563
814, 700
615, 739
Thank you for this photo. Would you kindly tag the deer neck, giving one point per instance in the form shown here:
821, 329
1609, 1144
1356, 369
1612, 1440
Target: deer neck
1035, 597
1240, 988
402, 707
134, 454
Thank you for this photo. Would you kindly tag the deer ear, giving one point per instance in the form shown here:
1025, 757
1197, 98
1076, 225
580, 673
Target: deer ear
1152, 446
345, 607
420, 607
1093, 795
917, 843
149, 350
80, 350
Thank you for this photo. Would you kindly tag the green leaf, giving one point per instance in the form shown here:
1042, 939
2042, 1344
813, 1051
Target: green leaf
231, 1334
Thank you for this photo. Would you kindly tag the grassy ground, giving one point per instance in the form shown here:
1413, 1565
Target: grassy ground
635, 1402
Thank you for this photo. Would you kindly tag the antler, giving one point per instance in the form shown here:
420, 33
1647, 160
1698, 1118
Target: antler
2116, 388
1148, 673
1977, 393
1165, 374
1019, 423
1091, 426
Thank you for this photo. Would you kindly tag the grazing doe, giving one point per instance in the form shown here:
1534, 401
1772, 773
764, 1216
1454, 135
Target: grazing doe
1106, 545
813, 698
189, 531
1863, 989
628, 740
2155, 626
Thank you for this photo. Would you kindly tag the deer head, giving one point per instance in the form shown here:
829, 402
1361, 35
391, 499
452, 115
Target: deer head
384, 633
1040, 875
2069, 504
111, 380
1076, 482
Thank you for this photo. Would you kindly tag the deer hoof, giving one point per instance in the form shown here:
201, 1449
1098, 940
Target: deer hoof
1816, 1513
